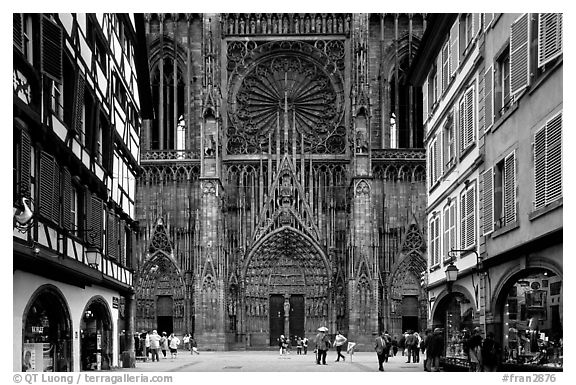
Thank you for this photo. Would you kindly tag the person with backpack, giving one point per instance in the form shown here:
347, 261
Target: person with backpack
388, 341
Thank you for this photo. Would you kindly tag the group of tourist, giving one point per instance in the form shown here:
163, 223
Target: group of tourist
285, 345
149, 344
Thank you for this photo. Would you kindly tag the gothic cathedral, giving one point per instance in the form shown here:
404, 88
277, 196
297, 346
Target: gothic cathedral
283, 178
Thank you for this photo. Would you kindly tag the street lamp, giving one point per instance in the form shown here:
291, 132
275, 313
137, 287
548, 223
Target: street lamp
451, 274
92, 254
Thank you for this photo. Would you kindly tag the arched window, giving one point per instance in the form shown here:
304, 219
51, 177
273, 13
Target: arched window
169, 126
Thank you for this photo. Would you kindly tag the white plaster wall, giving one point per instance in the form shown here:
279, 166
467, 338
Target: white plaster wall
25, 284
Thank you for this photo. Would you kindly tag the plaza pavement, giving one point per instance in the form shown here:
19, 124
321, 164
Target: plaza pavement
271, 361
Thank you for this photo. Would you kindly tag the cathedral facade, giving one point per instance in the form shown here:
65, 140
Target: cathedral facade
283, 178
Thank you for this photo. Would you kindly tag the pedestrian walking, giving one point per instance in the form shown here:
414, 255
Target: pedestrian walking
305, 344
475, 350
416, 348
434, 350
186, 341
380, 348
146, 343
339, 340
282, 344
155, 345
410, 342
394, 346
173, 345
164, 344
193, 346
388, 341
424, 348
491, 351
299, 345
402, 343
322, 343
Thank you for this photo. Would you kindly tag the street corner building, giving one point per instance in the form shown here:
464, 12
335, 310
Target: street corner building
492, 112
79, 97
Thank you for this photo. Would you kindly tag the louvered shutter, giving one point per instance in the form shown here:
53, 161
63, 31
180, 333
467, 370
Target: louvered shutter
476, 25
46, 185
488, 98
470, 217
469, 116
25, 163
425, 102
95, 221
445, 65
549, 37
56, 193
446, 227
431, 237
454, 54
18, 28
453, 226
540, 168
436, 239
52, 40
67, 200
79, 102
111, 236
519, 51
122, 242
437, 161
463, 221
510, 188
554, 159
439, 77
462, 125
488, 201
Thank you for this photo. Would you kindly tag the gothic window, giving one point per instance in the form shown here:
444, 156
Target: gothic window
168, 127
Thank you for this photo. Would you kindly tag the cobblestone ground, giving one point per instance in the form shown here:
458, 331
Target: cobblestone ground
270, 361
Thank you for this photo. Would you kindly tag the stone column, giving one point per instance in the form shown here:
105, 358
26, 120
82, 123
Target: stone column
129, 355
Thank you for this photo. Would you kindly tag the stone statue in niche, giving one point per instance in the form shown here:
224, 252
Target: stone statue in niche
285, 25
209, 145
318, 24
306, 24
230, 26
286, 307
329, 25
274, 25
264, 25
252, 26
340, 25
241, 26
296, 25
361, 141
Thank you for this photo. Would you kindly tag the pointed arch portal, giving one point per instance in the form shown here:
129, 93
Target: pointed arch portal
286, 285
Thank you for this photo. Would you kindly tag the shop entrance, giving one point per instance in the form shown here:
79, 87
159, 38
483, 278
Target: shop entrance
47, 338
96, 337
165, 322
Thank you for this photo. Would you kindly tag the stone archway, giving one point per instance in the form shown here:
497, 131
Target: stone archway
286, 285
160, 293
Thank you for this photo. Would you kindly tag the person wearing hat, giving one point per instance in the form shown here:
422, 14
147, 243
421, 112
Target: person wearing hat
322, 345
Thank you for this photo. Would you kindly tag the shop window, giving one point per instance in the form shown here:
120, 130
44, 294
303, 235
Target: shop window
46, 336
455, 317
96, 337
532, 330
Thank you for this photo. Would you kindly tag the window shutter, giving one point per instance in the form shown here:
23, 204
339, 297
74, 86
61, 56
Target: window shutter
463, 221
437, 164
549, 37
488, 98
488, 201
79, 102
56, 204
462, 125
454, 56
446, 226
431, 237
66, 199
439, 77
540, 168
25, 163
470, 217
445, 66
476, 25
519, 51
554, 158
425, 102
469, 105
122, 242
453, 226
46, 184
18, 28
95, 221
510, 188
437, 239
51, 49
111, 229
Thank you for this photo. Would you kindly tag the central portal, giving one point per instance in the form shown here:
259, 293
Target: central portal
286, 317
